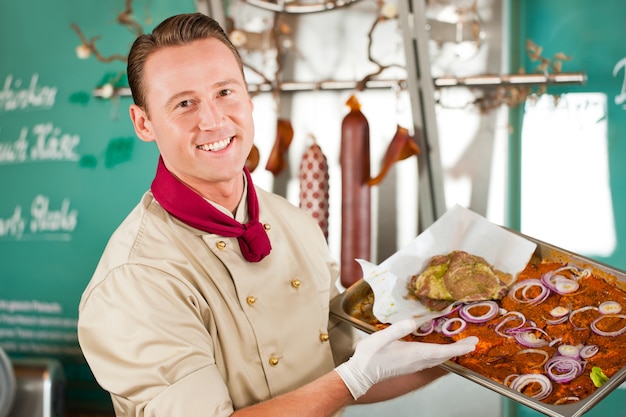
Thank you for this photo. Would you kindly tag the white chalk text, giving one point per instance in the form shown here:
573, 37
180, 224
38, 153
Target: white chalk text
44, 142
43, 220
17, 96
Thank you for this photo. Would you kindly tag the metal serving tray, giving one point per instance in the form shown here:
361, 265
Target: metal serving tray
348, 306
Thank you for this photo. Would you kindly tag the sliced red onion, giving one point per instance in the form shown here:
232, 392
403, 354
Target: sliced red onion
563, 369
510, 316
580, 273
569, 350
557, 321
425, 329
560, 283
509, 378
560, 315
550, 277
466, 314
524, 286
524, 380
555, 341
588, 351
453, 308
559, 311
446, 327
580, 310
610, 307
576, 274
439, 323
527, 337
594, 325
566, 286
567, 400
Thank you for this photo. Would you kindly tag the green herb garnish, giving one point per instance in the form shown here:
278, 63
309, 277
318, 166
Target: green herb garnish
598, 377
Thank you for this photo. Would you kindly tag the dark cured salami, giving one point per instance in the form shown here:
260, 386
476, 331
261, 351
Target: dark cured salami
355, 192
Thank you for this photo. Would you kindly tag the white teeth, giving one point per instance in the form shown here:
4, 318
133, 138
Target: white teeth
215, 146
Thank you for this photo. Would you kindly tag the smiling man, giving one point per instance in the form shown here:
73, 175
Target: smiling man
212, 297
199, 113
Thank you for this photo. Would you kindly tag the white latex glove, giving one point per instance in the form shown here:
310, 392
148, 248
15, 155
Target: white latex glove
382, 356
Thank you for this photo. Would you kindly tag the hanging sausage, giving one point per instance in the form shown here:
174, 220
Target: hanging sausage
355, 193
402, 146
314, 185
277, 161
252, 161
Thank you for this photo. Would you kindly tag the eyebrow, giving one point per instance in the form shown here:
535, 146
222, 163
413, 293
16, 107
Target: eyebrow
219, 84
176, 97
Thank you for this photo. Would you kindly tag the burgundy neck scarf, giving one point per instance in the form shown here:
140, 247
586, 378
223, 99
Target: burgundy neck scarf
189, 207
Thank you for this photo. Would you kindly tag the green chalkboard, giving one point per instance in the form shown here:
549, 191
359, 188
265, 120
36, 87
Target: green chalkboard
70, 169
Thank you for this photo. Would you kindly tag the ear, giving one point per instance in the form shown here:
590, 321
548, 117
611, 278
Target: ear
141, 122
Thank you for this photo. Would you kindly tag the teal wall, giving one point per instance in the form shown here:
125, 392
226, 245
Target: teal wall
70, 170
593, 33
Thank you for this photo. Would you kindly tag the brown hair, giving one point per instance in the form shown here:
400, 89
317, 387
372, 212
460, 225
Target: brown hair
176, 30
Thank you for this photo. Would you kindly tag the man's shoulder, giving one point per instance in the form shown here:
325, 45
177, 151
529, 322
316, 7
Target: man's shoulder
144, 223
139, 243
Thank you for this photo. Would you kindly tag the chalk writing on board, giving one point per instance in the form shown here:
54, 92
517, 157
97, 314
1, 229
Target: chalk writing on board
15, 95
44, 142
36, 306
42, 223
36, 326
620, 99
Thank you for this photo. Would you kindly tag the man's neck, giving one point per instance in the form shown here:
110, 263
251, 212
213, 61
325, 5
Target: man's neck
226, 194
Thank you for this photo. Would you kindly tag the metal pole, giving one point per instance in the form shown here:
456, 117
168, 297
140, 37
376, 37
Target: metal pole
431, 203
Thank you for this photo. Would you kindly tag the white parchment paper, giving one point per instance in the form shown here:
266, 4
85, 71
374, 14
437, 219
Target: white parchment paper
458, 229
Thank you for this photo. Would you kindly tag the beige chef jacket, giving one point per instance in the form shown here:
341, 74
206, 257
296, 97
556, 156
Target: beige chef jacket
175, 322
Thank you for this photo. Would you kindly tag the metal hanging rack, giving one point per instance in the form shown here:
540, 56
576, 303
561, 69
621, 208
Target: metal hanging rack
215, 7
299, 8
488, 80
477, 81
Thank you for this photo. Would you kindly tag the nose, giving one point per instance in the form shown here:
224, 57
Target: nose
211, 116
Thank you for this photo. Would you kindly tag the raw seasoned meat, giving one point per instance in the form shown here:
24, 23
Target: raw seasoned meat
458, 276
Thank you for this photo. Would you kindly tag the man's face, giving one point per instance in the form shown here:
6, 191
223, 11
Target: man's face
199, 113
